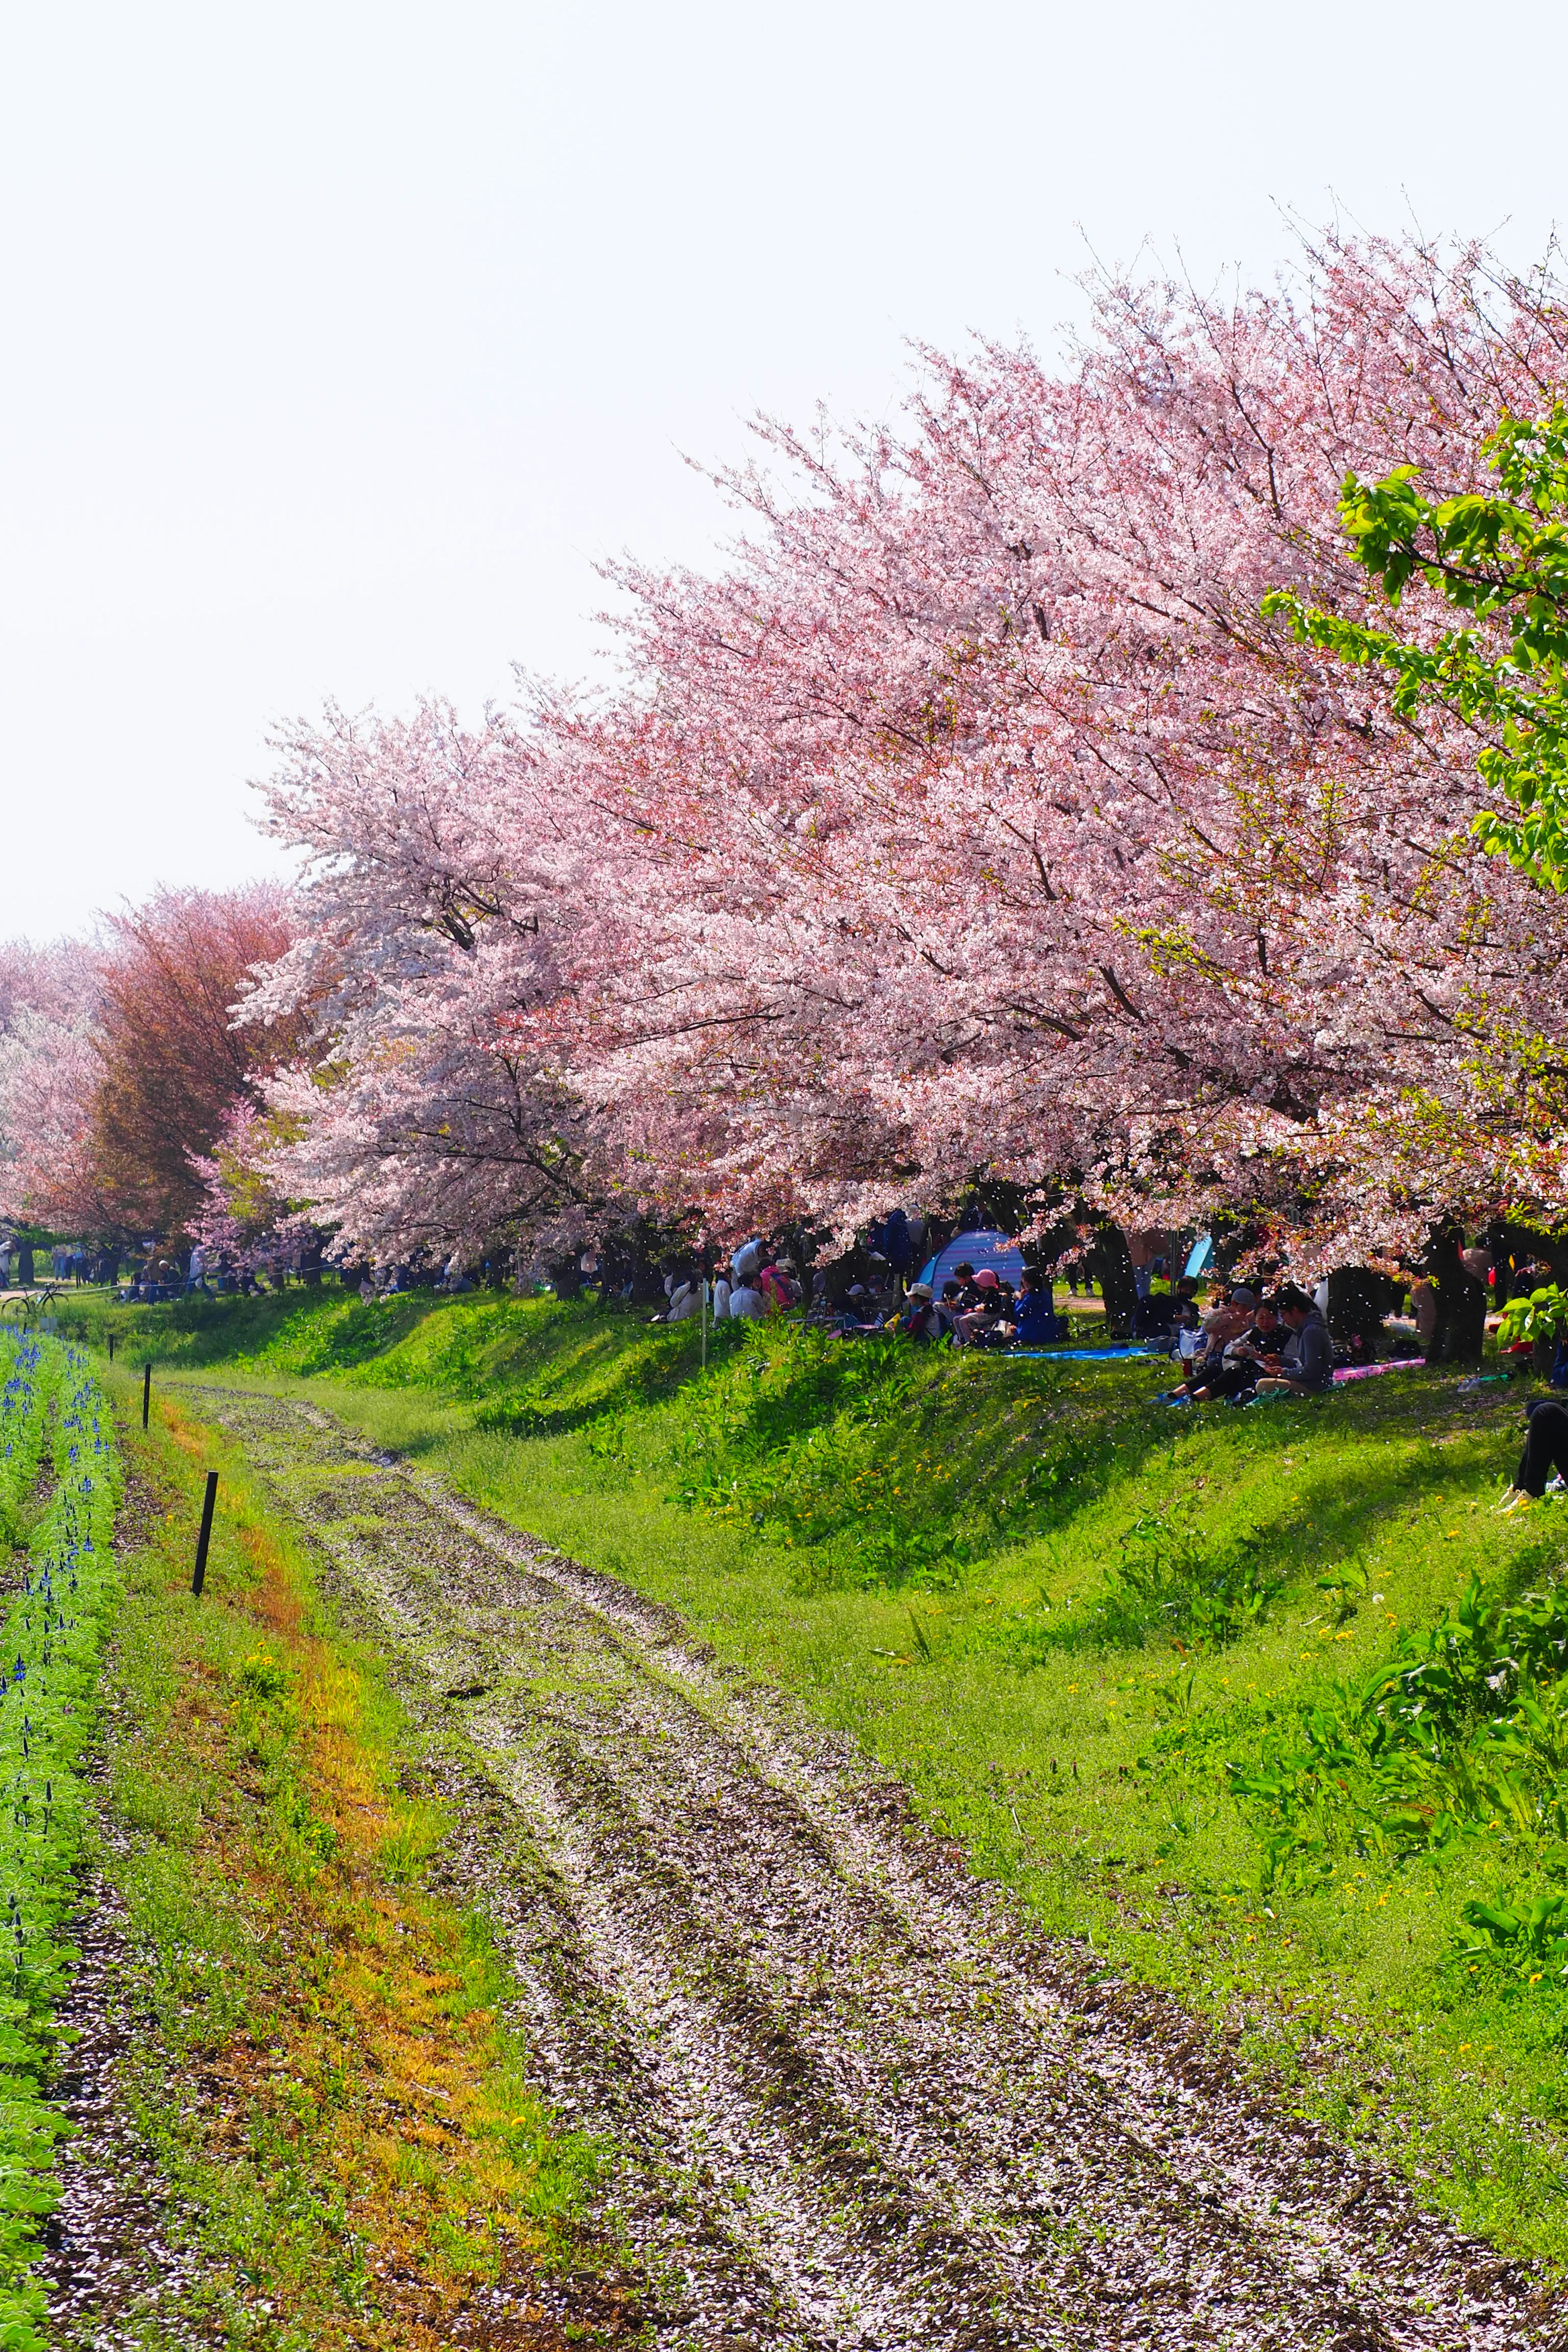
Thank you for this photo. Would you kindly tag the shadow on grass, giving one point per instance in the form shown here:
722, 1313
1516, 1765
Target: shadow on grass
1183, 1570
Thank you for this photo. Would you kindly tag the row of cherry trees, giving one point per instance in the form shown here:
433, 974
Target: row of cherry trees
972, 817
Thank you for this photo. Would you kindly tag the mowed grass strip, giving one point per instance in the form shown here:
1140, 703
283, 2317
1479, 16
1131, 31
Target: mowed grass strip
1068, 1618
324, 2067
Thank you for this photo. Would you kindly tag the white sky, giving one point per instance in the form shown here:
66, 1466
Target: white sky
341, 340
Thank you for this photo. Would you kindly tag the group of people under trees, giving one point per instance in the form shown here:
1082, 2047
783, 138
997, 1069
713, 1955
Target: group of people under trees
977, 1308
1242, 1347
1235, 1345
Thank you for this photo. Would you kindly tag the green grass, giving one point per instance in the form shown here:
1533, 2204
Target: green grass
58, 1478
1084, 1630
318, 2051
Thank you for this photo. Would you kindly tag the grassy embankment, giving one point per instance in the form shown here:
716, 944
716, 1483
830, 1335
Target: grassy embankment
318, 2053
1172, 1675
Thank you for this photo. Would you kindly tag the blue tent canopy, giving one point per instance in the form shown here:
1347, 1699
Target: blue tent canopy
1201, 1257
975, 1249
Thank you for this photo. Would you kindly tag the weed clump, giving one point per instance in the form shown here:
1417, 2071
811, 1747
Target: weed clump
1459, 1739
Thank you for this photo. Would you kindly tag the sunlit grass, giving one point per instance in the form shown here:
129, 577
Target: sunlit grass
323, 2065
1034, 1669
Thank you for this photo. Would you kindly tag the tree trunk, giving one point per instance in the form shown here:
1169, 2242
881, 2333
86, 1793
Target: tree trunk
565, 1276
1111, 1265
1461, 1301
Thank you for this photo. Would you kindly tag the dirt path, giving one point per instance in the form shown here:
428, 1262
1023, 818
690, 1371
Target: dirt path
858, 2104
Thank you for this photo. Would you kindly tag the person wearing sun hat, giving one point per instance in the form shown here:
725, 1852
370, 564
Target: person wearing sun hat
922, 1318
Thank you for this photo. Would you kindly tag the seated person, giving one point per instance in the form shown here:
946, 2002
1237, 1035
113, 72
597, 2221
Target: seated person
858, 1312
1243, 1360
1035, 1317
1545, 1453
984, 1306
964, 1276
1305, 1366
922, 1318
747, 1303
1186, 1337
949, 1306
1223, 1303
1225, 1322
1151, 1316
776, 1283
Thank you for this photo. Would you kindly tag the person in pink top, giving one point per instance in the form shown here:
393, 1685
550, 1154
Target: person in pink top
775, 1285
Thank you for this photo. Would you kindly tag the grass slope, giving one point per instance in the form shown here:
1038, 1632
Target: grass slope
1125, 1654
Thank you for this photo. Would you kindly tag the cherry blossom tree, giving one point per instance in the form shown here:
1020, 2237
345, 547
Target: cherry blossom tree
49, 1069
120, 1060
461, 903
979, 814
1007, 827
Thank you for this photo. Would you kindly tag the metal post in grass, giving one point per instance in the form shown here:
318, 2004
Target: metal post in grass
112, 1347
703, 1311
209, 1500
146, 1391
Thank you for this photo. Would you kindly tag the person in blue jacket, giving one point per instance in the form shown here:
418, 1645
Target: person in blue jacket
1035, 1315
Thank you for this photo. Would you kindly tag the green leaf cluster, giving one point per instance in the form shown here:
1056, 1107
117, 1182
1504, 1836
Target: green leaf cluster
1502, 560
1543, 1315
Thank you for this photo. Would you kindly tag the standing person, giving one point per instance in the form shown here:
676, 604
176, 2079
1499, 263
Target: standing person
1140, 1249
721, 1296
1424, 1306
24, 1265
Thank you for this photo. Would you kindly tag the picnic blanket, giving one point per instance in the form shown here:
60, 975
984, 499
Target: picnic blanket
1084, 1355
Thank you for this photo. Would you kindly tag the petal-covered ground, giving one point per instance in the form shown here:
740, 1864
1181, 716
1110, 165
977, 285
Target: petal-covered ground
850, 2099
